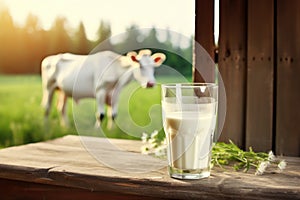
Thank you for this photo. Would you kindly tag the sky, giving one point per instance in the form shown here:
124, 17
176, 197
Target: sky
176, 15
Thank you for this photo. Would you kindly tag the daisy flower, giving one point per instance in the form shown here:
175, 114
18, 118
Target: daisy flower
282, 165
262, 167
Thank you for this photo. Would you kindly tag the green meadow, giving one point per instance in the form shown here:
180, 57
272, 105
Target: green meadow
22, 117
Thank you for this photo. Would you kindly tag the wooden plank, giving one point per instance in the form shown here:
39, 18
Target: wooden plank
260, 75
12, 189
232, 66
204, 36
65, 162
288, 82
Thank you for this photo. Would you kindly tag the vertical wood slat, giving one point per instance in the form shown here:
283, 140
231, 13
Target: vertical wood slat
288, 81
204, 35
232, 66
259, 118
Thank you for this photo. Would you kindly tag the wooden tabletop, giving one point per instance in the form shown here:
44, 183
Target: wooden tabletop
116, 168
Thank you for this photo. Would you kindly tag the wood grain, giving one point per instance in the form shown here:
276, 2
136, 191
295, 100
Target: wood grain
65, 162
232, 66
288, 70
260, 75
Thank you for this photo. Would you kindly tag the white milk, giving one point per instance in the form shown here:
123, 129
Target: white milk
189, 135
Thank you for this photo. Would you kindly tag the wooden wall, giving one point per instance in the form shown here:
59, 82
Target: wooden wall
287, 68
259, 61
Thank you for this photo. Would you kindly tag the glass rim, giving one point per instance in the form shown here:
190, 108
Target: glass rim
188, 85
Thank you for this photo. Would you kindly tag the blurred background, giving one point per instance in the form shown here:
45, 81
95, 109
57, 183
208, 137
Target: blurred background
31, 30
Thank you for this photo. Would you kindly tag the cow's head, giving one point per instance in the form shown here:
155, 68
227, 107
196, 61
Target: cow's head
146, 64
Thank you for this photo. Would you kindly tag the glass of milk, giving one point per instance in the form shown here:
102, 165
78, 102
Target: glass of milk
189, 113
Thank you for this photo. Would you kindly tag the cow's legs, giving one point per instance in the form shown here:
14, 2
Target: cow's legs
47, 99
114, 105
62, 108
109, 112
109, 117
100, 99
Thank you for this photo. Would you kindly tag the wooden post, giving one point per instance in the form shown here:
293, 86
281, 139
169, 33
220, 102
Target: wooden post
288, 81
260, 87
204, 35
232, 66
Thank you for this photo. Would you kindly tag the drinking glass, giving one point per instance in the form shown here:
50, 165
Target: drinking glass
189, 113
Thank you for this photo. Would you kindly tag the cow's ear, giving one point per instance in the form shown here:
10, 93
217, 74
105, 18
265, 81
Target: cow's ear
133, 56
158, 58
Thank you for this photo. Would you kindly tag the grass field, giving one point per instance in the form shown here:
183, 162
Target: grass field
21, 116
22, 121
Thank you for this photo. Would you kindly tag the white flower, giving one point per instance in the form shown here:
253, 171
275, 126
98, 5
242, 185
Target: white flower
145, 149
281, 165
144, 137
154, 134
153, 143
271, 156
262, 167
161, 151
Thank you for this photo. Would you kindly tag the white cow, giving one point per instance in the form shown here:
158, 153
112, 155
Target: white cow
101, 76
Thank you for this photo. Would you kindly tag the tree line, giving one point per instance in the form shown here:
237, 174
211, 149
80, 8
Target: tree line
23, 48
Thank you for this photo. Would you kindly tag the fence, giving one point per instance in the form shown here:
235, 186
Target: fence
259, 60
